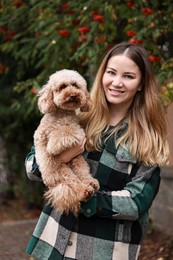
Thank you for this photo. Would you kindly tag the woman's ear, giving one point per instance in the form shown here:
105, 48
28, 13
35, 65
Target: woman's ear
45, 100
88, 103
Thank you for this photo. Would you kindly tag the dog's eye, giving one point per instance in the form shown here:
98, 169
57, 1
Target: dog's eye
62, 87
75, 85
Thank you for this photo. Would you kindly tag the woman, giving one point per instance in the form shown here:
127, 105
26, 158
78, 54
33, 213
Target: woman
125, 145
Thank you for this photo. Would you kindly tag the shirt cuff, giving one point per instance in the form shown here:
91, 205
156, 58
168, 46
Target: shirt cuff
89, 208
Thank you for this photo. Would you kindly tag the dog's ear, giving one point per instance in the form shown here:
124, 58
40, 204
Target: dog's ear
88, 104
45, 100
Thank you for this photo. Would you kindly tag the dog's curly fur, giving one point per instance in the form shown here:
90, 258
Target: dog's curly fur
68, 183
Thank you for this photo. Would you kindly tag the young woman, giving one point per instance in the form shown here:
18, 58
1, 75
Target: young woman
125, 145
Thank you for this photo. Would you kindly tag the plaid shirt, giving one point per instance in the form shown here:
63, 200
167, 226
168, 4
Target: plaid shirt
112, 223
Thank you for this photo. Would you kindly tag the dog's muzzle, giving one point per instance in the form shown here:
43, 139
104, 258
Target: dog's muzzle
73, 97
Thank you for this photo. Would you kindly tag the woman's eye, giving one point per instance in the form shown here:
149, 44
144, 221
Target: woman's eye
128, 77
111, 72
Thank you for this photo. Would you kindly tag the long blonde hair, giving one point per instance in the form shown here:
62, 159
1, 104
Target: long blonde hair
146, 136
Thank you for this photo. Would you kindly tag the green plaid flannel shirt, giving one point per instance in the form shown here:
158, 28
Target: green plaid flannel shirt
112, 223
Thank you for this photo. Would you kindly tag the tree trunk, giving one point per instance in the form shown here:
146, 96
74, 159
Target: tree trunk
6, 180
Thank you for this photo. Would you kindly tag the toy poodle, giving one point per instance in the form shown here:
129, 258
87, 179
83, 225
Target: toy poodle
68, 183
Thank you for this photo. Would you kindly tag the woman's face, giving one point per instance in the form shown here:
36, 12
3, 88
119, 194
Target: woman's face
121, 80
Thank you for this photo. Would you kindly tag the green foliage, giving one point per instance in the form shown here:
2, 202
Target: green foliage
38, 37
45, 36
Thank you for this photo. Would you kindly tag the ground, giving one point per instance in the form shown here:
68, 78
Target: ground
156, 246
15, 209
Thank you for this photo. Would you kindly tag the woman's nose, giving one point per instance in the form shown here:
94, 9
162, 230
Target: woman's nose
117, 81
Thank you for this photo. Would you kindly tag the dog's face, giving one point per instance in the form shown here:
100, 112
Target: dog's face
66, 89
69, 90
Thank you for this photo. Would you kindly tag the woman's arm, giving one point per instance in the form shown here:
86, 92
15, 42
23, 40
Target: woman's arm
31, 166
129, 203
72, 152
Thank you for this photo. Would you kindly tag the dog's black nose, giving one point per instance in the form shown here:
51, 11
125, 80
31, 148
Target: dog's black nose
72, 97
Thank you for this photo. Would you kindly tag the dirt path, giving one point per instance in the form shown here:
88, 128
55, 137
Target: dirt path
14, 237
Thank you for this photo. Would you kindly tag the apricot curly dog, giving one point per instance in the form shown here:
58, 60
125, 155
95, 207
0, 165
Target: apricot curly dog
68, 183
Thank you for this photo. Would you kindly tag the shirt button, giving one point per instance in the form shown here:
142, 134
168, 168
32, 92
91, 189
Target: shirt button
88, 211
70, 243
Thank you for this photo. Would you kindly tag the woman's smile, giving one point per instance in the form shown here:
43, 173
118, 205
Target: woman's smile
116, 92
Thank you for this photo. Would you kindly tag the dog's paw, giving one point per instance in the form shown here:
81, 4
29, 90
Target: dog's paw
88, 193
95, 184
92, 188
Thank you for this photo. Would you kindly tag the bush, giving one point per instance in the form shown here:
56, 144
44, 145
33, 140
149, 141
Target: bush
39, 37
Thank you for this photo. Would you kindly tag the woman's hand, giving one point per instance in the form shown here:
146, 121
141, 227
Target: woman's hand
72, 152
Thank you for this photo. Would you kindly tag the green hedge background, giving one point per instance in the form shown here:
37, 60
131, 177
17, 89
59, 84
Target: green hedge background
38, 37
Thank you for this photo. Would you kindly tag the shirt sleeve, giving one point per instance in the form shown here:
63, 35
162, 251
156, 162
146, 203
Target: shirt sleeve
128, 204
31, 166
